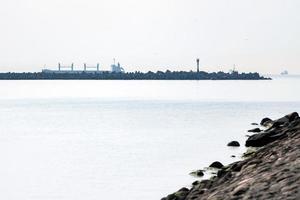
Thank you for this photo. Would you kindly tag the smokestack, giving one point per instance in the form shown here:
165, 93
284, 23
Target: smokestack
198, 62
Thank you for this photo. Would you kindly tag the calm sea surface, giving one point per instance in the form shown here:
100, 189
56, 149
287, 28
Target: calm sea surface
74, 140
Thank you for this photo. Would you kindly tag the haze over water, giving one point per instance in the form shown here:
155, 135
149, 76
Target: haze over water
74, 140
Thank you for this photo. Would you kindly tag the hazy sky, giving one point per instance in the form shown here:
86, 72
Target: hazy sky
256, 35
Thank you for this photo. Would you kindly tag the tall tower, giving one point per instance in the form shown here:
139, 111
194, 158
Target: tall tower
198, 63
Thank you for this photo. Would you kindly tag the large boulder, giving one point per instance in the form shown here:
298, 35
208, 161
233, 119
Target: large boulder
233, 144
216, 165
283, 121
265, 121
261, 139
292, 116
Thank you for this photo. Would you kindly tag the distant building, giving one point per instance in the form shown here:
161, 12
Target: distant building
117, 68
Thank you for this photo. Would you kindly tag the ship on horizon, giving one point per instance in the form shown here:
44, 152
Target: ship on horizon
62, 69
285, 72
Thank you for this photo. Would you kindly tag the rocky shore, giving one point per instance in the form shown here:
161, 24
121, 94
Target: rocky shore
271, 171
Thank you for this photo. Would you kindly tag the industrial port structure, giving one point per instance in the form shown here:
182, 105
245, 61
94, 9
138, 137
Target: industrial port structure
87, 69
93, 72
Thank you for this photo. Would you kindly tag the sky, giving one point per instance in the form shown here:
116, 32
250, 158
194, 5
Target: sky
143, 35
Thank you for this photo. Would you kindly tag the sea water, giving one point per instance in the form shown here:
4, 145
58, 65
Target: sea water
74, 140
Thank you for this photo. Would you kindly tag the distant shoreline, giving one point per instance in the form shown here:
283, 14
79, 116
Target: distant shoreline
168, 75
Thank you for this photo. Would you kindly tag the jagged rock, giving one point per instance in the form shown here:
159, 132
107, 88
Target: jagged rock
233, 144
217, 165
255, 130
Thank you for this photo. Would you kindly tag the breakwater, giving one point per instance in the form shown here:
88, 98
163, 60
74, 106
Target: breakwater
270, 168
159, 75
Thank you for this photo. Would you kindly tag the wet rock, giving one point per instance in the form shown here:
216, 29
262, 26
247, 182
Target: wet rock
205, 184
292, 116
249, 152
199, 173
216, 165
255, 130
179, 195
221, 173
265, 121
233, 144
261, 139
284, 121
196, 183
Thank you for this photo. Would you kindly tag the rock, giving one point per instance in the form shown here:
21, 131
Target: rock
255, 130
284, 121
233, 144
240, 189
217, 165
249, 152
179, 195
264, 121
196, 183
254, 124
292, 116
232, 156
197, 173
261, 139
205, 184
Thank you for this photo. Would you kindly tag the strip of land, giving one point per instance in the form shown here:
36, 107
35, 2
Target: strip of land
159, 75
